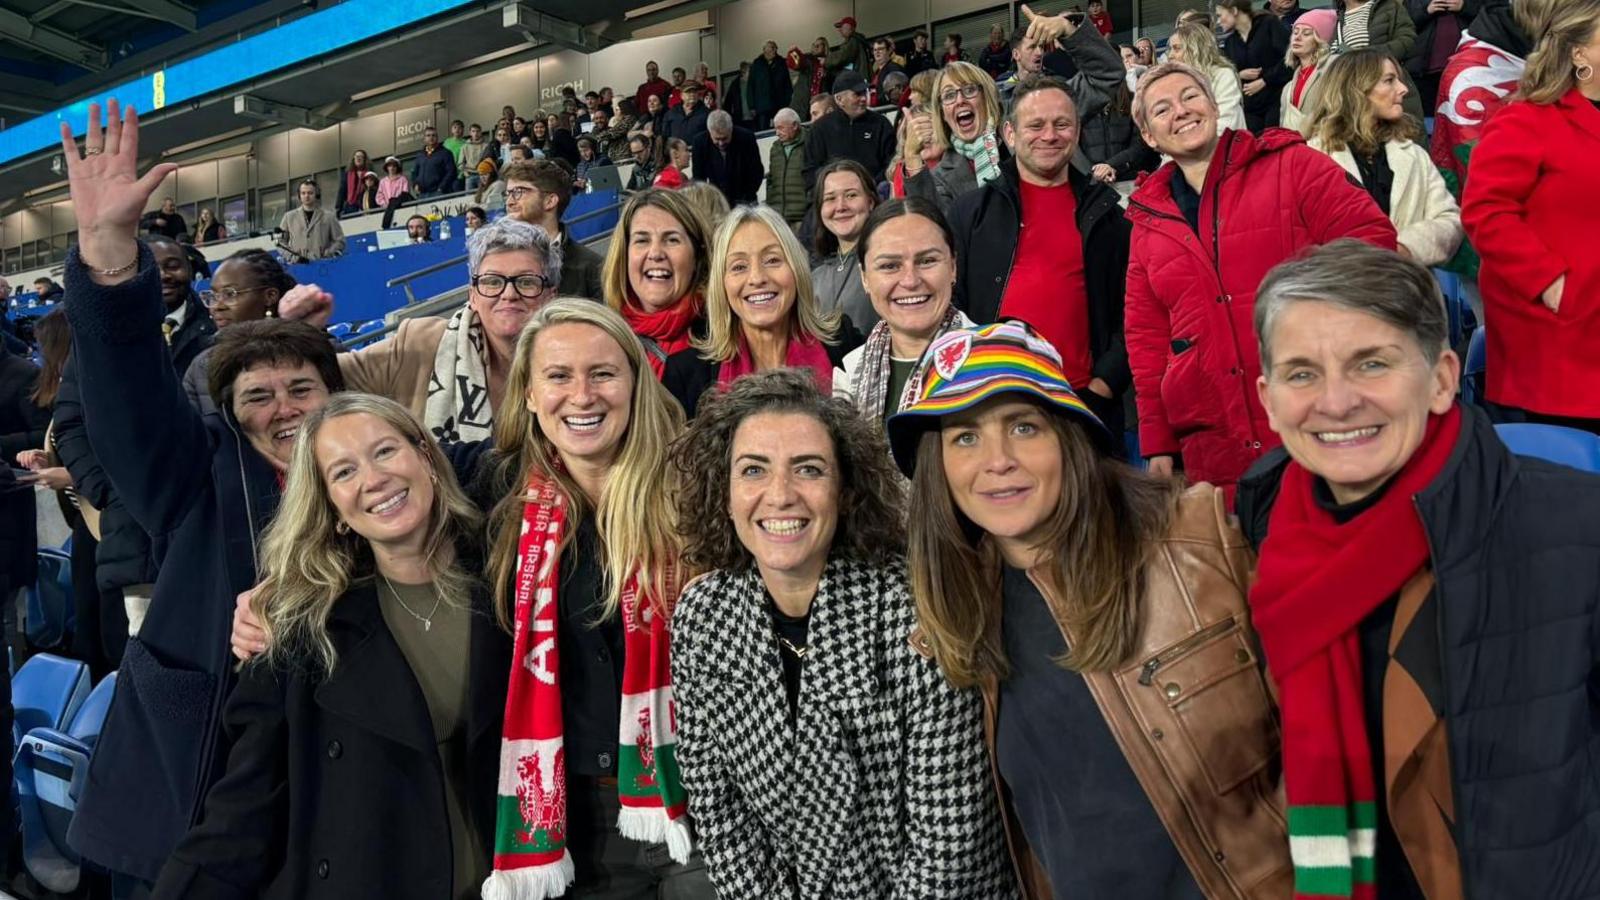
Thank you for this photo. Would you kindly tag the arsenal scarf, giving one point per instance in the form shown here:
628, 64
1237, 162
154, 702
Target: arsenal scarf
531, 861
1316, 581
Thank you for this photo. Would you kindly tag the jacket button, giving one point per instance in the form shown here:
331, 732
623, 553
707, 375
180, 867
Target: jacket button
604, 760
1233, 371
1157, 734
1255, 445
601, 656
1219, 298
1219, 856
1241, 656
1172, 690
322, 869
335, 749
997, 279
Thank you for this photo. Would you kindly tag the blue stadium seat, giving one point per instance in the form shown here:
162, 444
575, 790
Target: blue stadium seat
1566, 446
47, 692
50, 607
369, 327
339, 330
1472, 370
51, 766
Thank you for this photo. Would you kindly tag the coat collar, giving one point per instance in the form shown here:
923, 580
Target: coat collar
373, 686
1584, 114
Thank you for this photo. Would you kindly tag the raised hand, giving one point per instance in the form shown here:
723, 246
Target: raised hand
107, 193
1046, 31
306, 303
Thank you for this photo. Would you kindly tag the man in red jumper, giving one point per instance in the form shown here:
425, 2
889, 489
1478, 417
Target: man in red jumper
1046, 244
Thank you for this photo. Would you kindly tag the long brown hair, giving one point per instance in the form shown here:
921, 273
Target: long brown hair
1344, 117
54, 335
1098, 539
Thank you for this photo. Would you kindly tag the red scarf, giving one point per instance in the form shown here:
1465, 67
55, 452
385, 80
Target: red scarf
1316, 581
352, 183
669, 328
803, 352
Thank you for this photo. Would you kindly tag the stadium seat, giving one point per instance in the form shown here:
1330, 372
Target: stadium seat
339, 330
47, 692
51, 766
1472, 370
50, 608
1566, 446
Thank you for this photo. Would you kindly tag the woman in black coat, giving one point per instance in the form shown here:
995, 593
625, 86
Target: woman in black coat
1256, 44
365, 741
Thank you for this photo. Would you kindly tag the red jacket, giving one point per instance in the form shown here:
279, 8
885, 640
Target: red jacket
1529, 210
1191, 298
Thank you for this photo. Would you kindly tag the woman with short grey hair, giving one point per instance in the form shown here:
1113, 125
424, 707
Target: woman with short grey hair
1426, 601
450, 372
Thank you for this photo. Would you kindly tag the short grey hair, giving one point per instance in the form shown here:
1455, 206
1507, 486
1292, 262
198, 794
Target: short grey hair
720, 122
786, 116
508, 234
894, 78
1358, 276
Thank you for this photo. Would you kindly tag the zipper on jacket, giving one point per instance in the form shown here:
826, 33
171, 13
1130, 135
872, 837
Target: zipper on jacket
1147, 673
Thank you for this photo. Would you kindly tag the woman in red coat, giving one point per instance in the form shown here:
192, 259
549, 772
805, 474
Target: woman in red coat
1529, 210
1206, 228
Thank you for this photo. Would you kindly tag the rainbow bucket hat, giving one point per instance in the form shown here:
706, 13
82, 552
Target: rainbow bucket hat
966, 367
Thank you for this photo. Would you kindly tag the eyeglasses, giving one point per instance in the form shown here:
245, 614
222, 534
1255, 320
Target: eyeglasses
226, 297
969, 91
529, 286
517, 193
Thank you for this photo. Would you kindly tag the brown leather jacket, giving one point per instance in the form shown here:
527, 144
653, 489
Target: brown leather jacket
1192, 712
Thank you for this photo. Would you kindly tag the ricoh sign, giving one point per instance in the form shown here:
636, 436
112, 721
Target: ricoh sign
408, 127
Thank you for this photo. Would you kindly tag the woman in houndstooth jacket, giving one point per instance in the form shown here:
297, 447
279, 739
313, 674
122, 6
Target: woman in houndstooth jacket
823, 755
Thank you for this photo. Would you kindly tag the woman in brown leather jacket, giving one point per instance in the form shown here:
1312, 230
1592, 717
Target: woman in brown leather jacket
1101, 611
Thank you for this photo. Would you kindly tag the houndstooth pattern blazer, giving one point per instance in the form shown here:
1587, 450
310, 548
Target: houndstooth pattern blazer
880, 786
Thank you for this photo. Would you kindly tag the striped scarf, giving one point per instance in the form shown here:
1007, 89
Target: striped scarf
869, 384
1316, 581
984, 154
531, 861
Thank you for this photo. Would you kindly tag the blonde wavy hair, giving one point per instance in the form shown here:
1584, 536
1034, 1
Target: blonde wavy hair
959, 74
635, 515
614, 273
309, 564
1200, 50
721, 341
1559, 29
1343, 117
1318, 56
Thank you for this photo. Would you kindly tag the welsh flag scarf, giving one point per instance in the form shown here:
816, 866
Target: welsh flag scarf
1316, 581
531, 861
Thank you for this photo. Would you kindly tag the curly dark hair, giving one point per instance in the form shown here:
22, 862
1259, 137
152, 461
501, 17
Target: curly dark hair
871, 497
265, 270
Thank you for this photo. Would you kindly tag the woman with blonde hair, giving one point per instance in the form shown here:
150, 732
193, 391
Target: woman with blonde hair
1527, 208
656, 271
965, 117
761, 312
1193, 44
1310, 43
915, 130
709, 199
1101, 611
380, 688
584, 569
1362, 124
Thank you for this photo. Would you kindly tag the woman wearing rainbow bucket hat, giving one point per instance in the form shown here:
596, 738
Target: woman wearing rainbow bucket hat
1101, 612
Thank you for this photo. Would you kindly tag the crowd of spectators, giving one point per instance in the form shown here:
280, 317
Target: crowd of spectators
995, 388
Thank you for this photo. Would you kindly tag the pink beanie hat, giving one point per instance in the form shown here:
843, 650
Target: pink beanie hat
1322, 21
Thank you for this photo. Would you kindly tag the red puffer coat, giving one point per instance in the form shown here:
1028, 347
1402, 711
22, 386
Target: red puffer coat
1191, 297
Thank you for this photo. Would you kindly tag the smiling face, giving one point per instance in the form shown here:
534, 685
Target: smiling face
504, 316
963, 113
239, 297
1180, 120
652, 104
270, 400
1002, 460
580, 391
380, 484
909, 275
845, 205
759, 282
176, 274
1388, 95
783, 494
661, 258
1045, 136
1350, 394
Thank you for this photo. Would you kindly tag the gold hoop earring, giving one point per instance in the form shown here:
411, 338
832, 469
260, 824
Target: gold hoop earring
1583, 72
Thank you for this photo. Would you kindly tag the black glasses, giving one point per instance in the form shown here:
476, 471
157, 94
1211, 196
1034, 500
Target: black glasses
969, 91
225, 297
528, 287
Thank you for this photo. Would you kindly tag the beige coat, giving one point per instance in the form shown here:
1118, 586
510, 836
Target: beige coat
322, 238
1298, 118
1420, 205
1230, 98
398, 368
